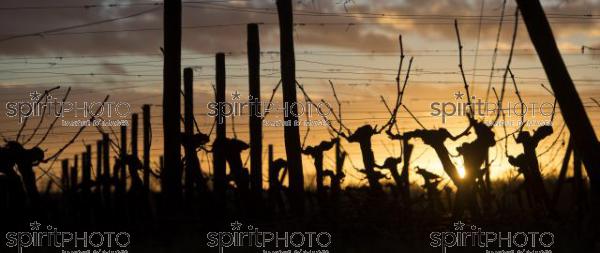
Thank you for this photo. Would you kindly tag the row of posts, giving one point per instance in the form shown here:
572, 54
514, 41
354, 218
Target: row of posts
103, 169
103, 178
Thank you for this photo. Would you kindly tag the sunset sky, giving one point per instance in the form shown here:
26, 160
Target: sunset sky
101, 48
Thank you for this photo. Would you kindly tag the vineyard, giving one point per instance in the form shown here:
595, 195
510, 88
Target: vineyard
298, 153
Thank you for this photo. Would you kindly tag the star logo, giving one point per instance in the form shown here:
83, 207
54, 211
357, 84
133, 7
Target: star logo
458, 225
235, 95
458, 95
35, 226
236, 226
34, 95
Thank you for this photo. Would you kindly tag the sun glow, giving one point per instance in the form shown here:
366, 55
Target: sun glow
461, 171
